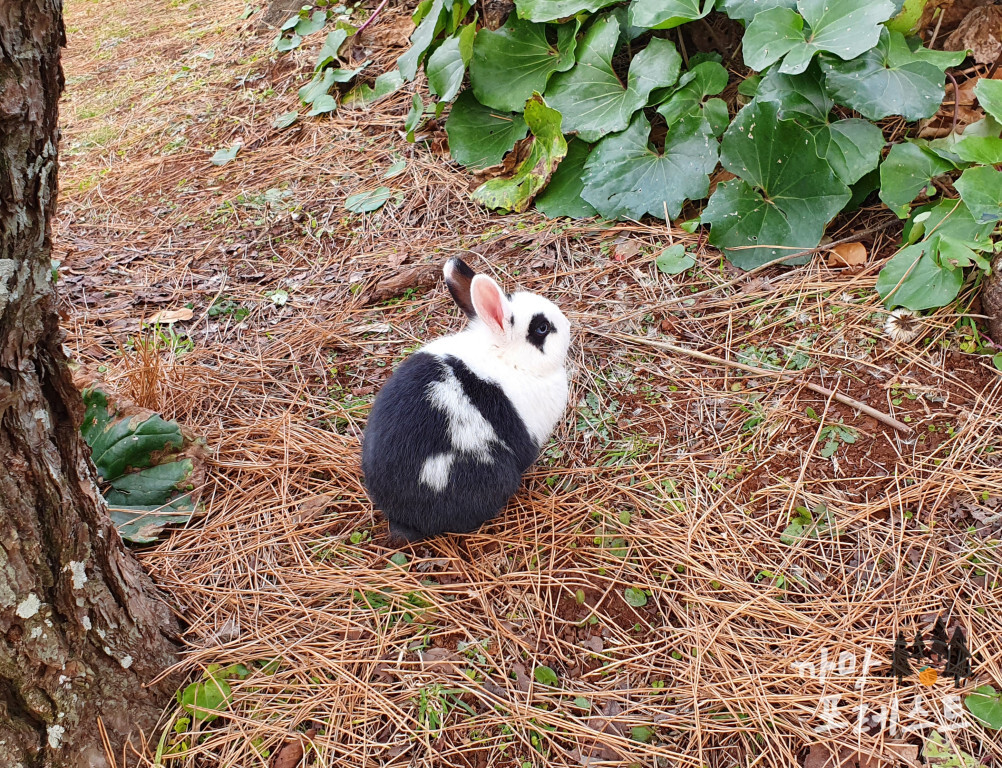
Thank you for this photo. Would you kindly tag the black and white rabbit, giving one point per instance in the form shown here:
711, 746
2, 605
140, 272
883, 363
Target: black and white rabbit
460, 420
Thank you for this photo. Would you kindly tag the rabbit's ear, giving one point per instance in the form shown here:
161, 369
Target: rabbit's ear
491, 305
458, 277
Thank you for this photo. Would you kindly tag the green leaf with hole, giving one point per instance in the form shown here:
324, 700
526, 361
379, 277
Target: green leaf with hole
981, 190
562, 196
906, 171
366, 202
674, 260
914, 279
785, 194
479, 136
666, 14
890, 79
517, 60
634, 597
364, 95
533, 173
446, 67
989, 93
746, 10
591, 98
224, 156
552, 10
546, 676
846, 29
626, 177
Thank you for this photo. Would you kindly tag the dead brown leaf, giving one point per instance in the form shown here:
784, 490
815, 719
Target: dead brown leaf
168, 316
388, 33
981, 32
423, 276
847, 255
440, 660
290, 753
522, 680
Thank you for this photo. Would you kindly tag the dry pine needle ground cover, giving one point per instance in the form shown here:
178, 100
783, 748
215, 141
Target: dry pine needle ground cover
644, 562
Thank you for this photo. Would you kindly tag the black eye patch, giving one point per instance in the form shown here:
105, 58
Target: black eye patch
539, 329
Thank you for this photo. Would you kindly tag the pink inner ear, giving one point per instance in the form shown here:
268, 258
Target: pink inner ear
489, 303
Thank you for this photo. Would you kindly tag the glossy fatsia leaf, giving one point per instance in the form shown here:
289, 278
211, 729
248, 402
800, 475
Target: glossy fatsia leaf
591, 97
846, 28
552, 10
914, 280
981, 190
532, 174
786, 193
562, 196
989, 93
799, 97
890, 79
625, 177
746, 10
665, 14
905, 172
479, 136
514, 62
447, 65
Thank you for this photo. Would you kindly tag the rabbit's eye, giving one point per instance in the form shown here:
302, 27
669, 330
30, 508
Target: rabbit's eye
542, 329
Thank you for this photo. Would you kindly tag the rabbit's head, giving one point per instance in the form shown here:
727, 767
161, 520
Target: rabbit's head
523, 330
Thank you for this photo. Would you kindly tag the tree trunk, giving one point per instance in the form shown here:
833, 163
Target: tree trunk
82, 628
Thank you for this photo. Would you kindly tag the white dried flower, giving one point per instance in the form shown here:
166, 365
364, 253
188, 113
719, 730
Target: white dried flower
903, 325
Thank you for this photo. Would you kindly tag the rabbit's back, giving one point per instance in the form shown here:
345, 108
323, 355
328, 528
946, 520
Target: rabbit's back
443, 449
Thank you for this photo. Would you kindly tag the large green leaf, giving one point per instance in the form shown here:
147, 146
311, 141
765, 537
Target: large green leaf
328, 53
890, 79
479, 136
915, 280
534, 171
141, 502
851, 147
989, 93
590, 96
981, 190
905, 172
625, 177
846, 28
552, 10
746, 10
152, 486
562, 196
447, 65
708, 78
980, 149
949, 218
986, 705
786, 193
514, 62
130, 443
665, 14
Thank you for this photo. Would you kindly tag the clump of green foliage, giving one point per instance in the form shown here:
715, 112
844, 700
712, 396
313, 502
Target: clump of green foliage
606, 119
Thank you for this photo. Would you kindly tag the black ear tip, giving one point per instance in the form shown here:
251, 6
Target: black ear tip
457, 266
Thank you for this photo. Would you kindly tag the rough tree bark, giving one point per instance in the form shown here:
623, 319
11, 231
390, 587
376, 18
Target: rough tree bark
82, 628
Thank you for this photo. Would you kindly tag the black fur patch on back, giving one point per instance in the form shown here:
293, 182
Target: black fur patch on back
404, 430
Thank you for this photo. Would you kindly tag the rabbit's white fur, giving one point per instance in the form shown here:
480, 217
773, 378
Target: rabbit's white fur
534, 381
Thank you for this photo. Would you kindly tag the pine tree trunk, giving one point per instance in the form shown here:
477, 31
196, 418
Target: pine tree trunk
82, 628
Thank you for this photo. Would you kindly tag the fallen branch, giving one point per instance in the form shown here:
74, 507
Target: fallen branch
821, 390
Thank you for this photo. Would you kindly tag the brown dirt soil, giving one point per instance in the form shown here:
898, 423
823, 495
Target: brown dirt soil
669, 482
